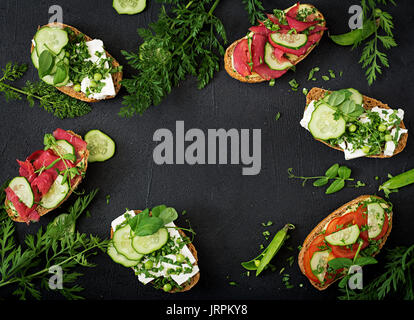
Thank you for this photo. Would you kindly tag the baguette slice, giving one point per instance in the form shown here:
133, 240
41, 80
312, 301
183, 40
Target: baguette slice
320, 227
116, 77
368, 103
194, 279
78, 179
254, 77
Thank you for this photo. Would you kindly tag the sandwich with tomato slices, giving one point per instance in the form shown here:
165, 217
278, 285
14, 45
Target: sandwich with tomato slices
47, 177
359, 227
277, 44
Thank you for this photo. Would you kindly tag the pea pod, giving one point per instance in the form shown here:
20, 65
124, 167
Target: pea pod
401, 180
356, 35
263, 259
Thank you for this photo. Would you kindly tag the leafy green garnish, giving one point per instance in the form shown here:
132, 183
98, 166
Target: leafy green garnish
184, 42
50, 99
255, 10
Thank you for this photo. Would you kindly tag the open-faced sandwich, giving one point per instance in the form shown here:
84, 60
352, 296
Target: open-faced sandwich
47, 177
155, 248
360, 226
355, 124
74, 63
277, 44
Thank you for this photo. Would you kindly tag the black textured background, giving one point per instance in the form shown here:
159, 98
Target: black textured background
225, 208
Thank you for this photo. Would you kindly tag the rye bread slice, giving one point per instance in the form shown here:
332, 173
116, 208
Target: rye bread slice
320, 227
368, 103
254, 77
194, 279
42, 211
116, 77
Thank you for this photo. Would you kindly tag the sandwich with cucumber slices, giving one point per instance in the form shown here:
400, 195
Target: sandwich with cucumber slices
156, 249
358, 228
74, 63
47, 177
355, 124
276, 45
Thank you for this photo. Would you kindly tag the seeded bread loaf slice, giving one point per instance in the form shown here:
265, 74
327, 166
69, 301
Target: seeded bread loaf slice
368, 104
254, 77
116, 77
194, 279
321, 226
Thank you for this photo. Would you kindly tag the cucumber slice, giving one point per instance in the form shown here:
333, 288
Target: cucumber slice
35, 59
323, 124
48, 79
271, 60
123, 244
292, 41
52, 38
319, 264
100, 146
65, 147
376, 218
119, 258
129, 6
356, 96
151, 243
56, 194
344, 237
21, 187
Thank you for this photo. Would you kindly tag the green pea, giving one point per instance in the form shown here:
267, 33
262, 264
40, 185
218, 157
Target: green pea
148, 264
365, 149
352, 128
180, 257
67, 54
97, 76
257, 263
93, 84
382, 127
388, 137
167, 287
77, 87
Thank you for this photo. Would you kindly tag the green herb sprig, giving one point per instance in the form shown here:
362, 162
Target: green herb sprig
377, 29
184, 42
339, 174
26, 267
49, 98
255, 10
396, 279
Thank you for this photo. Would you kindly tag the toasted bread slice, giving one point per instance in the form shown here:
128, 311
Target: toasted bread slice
368, 104
254, 77
320, 227
116, 77
42, 211
194, 279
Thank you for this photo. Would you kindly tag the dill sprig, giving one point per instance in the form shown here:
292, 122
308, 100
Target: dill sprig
255, 10
26, 267
49, 98
185, 41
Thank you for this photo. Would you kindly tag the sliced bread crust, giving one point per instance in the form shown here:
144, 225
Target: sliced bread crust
194, 279
42, 211
116, 77
320, 227
254, 77
368, 103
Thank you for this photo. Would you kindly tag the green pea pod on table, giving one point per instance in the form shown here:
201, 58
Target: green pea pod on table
262, 260
355, 36
399, 181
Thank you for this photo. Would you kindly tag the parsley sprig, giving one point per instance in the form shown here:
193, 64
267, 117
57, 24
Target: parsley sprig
25, 267
49, 98
186, 41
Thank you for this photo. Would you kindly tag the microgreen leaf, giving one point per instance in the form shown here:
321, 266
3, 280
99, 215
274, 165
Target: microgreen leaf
46, 62
335, 186
332, 172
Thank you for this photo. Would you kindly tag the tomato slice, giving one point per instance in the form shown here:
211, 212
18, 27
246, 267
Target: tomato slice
346, 252
359, 217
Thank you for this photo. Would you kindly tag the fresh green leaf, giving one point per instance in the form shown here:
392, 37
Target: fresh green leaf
335, 186
46, 63
344, 172
332, 172
168, 215
61, 74
321, 182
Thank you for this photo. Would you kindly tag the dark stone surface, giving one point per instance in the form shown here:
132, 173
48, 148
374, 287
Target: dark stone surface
225, 208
